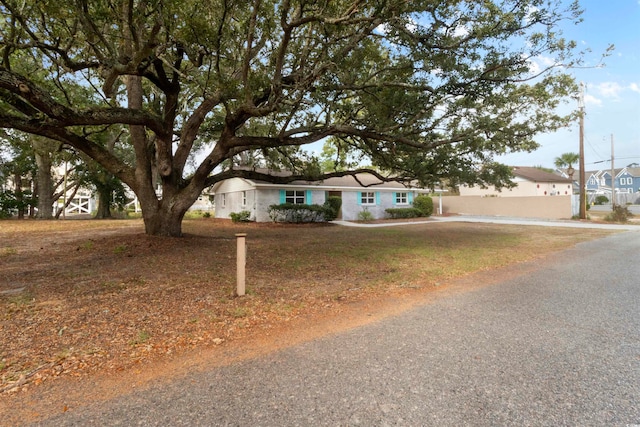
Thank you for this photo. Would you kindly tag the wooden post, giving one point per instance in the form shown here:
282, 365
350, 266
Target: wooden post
241, 262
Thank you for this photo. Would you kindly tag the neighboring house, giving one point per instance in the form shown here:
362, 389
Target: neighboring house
595, 180
530, 181
626, 184
364, 193
628, 180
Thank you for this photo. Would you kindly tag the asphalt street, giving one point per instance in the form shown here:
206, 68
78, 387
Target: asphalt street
558, 345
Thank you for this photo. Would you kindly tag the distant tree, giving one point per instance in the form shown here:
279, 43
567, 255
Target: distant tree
567, 160
542, 168
335, 156
421, 89
18, 170
46, 153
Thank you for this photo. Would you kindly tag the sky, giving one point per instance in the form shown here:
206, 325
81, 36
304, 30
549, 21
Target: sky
612, 92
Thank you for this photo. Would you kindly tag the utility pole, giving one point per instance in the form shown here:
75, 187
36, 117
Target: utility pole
583, 195
613, 180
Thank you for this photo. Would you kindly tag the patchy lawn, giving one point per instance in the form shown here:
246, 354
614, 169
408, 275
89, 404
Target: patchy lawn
79, 297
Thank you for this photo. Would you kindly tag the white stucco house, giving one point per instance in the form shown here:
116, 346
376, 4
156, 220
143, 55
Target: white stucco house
364, 192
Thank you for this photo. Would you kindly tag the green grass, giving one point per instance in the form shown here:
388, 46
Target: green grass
141, 338
120, 249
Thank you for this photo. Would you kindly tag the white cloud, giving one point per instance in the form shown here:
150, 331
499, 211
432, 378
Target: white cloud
383, 29
540, 63
634, 87
592, 100
461, 31
609, 89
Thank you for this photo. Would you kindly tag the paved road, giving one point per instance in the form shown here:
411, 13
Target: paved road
634, 209
557, 346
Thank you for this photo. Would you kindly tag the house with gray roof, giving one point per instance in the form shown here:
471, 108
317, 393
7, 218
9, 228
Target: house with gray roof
360, 192
530, 181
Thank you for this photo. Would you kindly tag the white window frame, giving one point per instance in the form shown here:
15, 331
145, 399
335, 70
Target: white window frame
244, 198
402, 198
296, 197
223, 200
368, 198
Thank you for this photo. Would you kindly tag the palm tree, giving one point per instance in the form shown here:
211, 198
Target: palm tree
567, 160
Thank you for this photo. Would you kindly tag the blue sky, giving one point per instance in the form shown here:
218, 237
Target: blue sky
612, 95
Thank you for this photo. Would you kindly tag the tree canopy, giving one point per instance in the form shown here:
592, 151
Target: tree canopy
423, 90
566, 160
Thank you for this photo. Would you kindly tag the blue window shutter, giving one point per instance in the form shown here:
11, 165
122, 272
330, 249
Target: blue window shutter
410, 197
283, 196
377, 197
395, 198
359, 197
308, 197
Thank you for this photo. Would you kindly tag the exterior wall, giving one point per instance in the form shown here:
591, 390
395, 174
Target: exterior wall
258, 200
594, 182
264, 199
627, 183
351, 205
524, 189
231, 191
350, 208
557, 207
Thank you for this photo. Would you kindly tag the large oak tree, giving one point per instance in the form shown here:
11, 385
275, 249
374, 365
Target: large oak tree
421, 89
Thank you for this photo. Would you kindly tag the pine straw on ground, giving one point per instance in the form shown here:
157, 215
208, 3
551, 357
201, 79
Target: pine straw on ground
81, 297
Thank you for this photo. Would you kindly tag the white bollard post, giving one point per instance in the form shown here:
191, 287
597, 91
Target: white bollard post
241, 262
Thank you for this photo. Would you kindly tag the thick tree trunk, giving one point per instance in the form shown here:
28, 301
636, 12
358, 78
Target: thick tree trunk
44, 187
103, 210
163, 223
164, 220
164, 217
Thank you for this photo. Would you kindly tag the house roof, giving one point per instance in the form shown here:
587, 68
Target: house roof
538, 175
633, 171
359, 181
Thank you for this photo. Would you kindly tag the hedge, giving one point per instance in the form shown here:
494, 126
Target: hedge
396, 213
290, 212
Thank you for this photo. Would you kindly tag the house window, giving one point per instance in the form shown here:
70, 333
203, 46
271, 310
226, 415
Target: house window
368, 198
294, 196
244, 198
223, 200
402, 199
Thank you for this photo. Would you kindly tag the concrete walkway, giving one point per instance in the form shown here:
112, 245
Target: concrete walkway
499, 220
